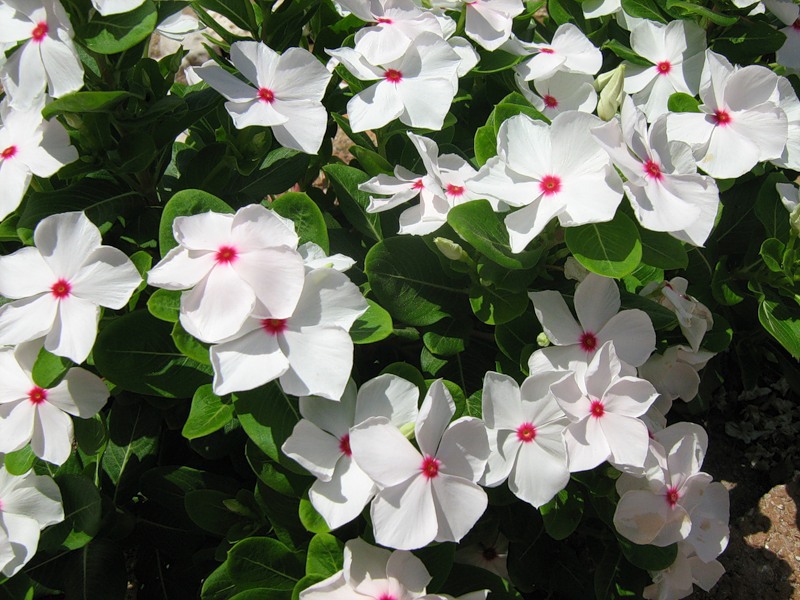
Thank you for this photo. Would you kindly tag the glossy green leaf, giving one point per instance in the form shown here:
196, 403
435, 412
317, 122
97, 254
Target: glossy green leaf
306, 215
117, 33
611, 249
165, 305
207, 414
352, 201
264, 562
373, 326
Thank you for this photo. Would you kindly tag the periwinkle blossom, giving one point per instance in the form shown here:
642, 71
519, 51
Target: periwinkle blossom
490, 553
739, 123
488, 22
674, 373
560, 92
41, 416
59, 285
417, 88
526, 435
442, 187
320, 442
549, 171
597, 304
233, 266
693, 316
428, 494
604, 403
570, 51
284, 92
677, 53
115, 7
29, 146
790, 104
678, 580
790, 198
28, 504
663, 186
310, 350
48, 58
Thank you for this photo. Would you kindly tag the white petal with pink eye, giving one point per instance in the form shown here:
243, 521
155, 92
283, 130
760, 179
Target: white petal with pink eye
459, 504
255, 227
633, 336
225, 83
464, 449
14, 179
16, 425
315, 450
501, 406
333, 588
74, 329
275, 276
555, 317
181, 269
586, 445
247, 362
363, 562
434, 416
81, 393
388, 396
27, 319
334, 417
540, 471
24, 273
374, 107
383, 452
15, 382
541, 65
305, 126
328, 299
52, 434
207, 231
529, 221
342, 499
394, 508
65, 240
320, 361
728, 154
107, 277
640, 516
302, 76
596, 302
217, 307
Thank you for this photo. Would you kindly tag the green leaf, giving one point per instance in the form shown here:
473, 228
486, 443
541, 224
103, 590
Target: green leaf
625, 53
563, 513
495, 306
136, 352
352, 201
273, 475
782, 324
605, 573
305, 582
495, 61
448, 337
662, 251
325, 555
117, 33
189, 345
721, 287
770, 210
165, 305
308, 220
680, 102
409, 282
207, 414
207, 510
264, 562
644, 9
96, 571
747, 40
84, 102
485, 144
477, 224
373, 326
219, 585
690, 8
49, 369
20, 461
372, 162
311, 519
649, 558
90, 434
82, 514
611, 249
186, 203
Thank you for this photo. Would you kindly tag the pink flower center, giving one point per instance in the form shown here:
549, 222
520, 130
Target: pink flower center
550, 101
588, 341
547, 51
393, 76
384, 20
387, 596
37, 395
489, 554
597, 409
455, 190
664, 67
9, 152
266, 95
226, 255
418, 185
721, 117
273, 326
796, 25
39, 31
1, 506
344, 445
61, 289
430, 467
526, 433
672, 496
550, 184
652, 169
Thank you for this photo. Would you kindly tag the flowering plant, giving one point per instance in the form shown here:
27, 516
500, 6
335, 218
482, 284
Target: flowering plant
426, 274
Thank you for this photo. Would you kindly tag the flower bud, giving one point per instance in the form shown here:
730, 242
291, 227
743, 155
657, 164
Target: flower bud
610, 85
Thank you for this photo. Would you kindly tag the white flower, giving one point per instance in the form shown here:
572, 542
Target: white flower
29, 413
314, 257
597, 303
29, 145
555, 170
788, 55
443, 186
28, 504
663, 186
115, 7
526, 434
236, 265
47, 59
676, 581
489, 22
427, 494
790, 197
59, 285
570, 51
789, 103
593, 9
676, 51
694, 318
320, 442
418, 87
604, 403
560, 92
675, 373
287, 96
178, 25
489, 553
739, 123
310, 350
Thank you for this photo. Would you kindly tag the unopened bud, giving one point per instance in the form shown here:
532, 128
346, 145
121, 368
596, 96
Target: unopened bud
542, 340
794, 220
611, 88
450, 249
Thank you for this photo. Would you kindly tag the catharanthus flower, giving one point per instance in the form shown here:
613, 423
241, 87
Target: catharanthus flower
47, 59
488, 22
115, 7
789, 103
561, 92
570, 51
788, 54
694, 318
231, 265
310, 350
59, 285
604, 403
663, 186
555, 170
489, 553
676, 51
739, 123
28, 504
427, 494
29, 146
30, 413
178, 25
597, 304
320, 442
676, 581
417, 88
526, 434
285, 95
675, 372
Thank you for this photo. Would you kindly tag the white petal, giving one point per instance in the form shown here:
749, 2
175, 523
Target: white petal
627, 439
388, 396
23, 535
404, 516
63, 66
27, 319
434, 416
464, 449
383, 452
254, 228
181, 269
37, 497
633, 336
16, 425
329, 299
225, 83
108, 278
15, 177
320, 361
405, 567
555, 317
315, 450
74, 329
374, 107
459, 504
425, 102
204, 231
501, 402
276, 277
540, 471
342, 499
247, 362
80, 393
24, 273
52, 434
586, 445
305, 127
641, 515
596, 301
65, 241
